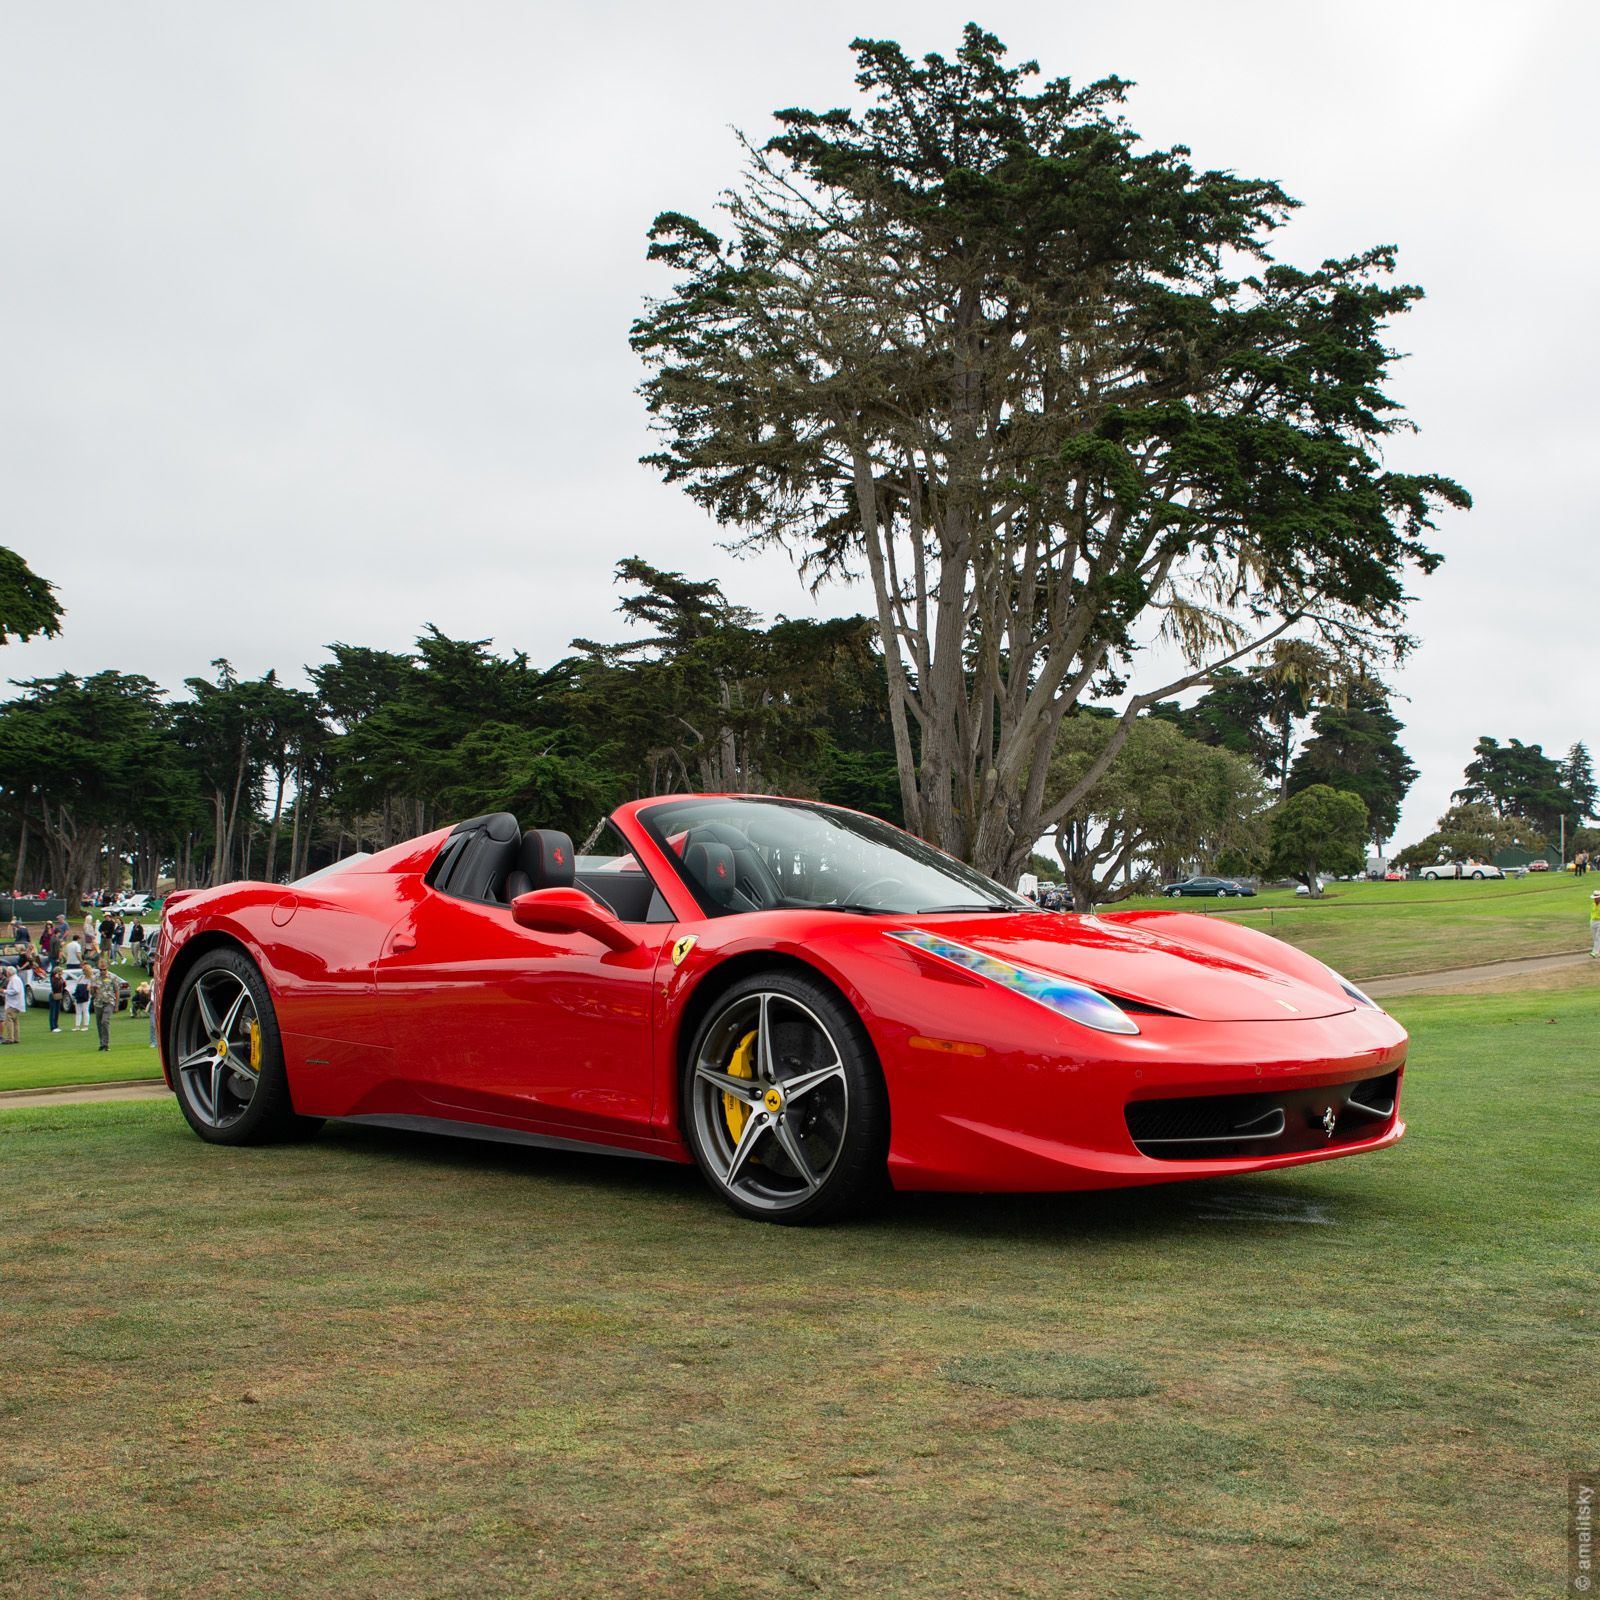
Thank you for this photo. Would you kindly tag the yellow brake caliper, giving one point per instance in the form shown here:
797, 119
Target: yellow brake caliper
255, 1045
742, 1066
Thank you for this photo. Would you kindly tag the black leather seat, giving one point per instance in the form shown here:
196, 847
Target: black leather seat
749, 873
544, 861
477, 867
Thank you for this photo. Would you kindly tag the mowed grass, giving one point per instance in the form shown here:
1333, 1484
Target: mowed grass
43, 1060
1372, 930
384, 1365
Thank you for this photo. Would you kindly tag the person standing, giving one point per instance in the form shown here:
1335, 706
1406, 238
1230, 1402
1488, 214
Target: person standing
16, 999
80, 1002
58, 996
74, 956
1594, 925
104, 1000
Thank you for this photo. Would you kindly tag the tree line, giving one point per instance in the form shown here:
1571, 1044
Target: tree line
106, 775
1515, 797
1288, 770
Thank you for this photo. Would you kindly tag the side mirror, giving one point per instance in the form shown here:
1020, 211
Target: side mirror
570, 911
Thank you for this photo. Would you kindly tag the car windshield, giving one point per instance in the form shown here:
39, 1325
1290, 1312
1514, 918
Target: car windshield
762, 855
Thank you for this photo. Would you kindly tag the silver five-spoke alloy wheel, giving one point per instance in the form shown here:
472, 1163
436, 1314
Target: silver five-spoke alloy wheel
217, 1044
770, 1101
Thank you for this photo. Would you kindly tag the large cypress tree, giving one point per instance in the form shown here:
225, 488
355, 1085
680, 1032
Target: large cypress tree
1050, 392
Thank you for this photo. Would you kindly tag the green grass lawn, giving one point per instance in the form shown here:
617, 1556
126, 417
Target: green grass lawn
43, 1059
384, 1365
1371, 930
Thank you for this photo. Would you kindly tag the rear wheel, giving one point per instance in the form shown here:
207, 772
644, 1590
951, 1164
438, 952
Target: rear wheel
227, 1057
784, 1105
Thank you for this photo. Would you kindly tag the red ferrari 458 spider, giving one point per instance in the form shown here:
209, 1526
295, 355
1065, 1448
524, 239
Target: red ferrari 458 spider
809, 1004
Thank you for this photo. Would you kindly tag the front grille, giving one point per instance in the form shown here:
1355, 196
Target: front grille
1219, 1127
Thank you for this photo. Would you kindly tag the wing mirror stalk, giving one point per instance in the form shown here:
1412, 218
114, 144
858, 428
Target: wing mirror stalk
571, 911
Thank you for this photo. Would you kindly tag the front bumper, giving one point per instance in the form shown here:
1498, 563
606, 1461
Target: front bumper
1090, 1112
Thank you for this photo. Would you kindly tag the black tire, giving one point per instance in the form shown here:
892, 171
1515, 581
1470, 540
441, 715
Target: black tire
239, 1093
770, 1031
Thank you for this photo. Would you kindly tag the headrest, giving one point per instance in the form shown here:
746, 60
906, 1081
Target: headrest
711, 865
500, 826
719, 833
547, 858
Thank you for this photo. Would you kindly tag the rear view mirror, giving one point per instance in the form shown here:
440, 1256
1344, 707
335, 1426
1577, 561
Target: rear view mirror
571, 911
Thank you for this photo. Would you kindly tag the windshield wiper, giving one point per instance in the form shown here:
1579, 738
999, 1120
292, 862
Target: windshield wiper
900, 911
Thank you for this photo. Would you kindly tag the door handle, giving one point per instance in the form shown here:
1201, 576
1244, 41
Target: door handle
401, 943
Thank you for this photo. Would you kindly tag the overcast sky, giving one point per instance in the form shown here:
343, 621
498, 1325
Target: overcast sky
313, 317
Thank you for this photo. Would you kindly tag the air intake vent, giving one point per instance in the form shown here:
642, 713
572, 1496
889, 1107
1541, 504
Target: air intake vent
1221, 1127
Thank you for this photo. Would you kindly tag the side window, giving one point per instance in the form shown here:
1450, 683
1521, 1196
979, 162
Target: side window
610, 872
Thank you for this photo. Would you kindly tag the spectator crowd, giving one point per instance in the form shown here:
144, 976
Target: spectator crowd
73, 966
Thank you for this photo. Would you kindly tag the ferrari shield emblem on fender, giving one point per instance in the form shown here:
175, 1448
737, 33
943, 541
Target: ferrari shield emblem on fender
1329, 1121
682, 948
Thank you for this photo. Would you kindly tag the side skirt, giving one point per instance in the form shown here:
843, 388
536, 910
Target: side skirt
496, 1135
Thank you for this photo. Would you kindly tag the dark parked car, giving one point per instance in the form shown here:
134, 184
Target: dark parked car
1220, 887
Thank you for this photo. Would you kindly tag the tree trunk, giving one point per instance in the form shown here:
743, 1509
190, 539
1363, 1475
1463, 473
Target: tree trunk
294, 827
277, 818
233, 810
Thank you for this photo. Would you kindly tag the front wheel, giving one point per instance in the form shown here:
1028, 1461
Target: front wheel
784, 1105
227, 1057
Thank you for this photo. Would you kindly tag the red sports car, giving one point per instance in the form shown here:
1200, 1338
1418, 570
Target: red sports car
808, 1003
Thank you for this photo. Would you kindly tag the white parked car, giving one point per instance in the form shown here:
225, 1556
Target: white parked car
1461, 869
130, 905
39, 987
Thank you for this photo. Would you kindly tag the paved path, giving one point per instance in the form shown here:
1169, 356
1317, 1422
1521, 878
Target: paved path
82, 1094
1457, 977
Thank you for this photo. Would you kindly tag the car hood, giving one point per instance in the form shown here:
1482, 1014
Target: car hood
1169, 970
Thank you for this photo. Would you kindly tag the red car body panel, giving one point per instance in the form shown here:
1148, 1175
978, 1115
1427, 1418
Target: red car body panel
397, 1003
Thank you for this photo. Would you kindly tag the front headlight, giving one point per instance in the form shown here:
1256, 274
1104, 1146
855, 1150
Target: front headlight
1360, 998
1066, 997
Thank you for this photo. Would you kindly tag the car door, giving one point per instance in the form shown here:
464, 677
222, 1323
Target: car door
549, 1032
